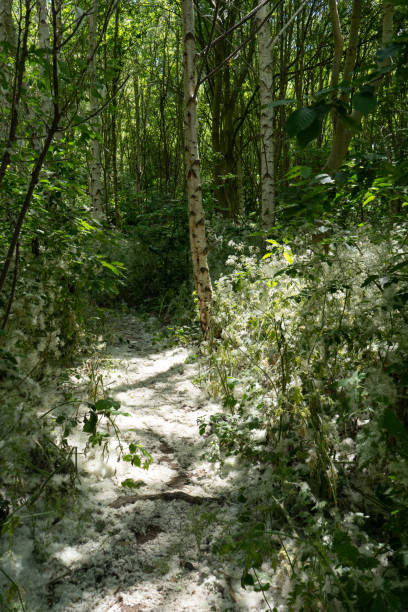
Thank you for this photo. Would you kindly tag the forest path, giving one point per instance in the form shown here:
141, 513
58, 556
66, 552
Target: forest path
136, 550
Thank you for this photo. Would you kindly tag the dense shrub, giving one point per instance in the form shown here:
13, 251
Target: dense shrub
310, 354
54, 315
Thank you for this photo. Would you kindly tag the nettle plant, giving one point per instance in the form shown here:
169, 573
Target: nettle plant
310, 357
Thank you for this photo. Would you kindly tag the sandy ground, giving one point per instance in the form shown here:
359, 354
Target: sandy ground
136, 550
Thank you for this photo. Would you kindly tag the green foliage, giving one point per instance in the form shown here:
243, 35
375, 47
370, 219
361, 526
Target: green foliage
310, 357
156, 255
138, 456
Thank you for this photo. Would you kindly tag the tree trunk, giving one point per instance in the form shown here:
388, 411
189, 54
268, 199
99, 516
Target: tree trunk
137, 161
114, 139
46, 101
342, 136
95, 184
17, 87
266, 120
7, 31
198, 240
338, 43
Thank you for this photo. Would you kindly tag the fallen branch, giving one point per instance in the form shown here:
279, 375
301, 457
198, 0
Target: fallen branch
124, 500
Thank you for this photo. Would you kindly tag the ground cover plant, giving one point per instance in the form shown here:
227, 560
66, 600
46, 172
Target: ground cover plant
309, 358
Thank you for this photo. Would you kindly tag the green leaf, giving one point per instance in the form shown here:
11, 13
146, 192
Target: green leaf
398, 266
136, 460
364, 100
109, 266
132, 484
309, 134
305, 171
370, 279
90, 424
107, 404
264, 586
350, 123
247, 580
300, 120
369, 199
321, 110
346, 552
288, 256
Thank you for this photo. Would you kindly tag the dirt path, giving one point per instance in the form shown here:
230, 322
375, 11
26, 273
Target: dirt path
137, 551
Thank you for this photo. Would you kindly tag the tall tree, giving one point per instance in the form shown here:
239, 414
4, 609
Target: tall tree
342, 136
198, 240
266, 118
117, 63
7, 30
95, 184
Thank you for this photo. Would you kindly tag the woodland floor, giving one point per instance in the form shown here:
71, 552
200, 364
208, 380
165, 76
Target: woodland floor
120, 550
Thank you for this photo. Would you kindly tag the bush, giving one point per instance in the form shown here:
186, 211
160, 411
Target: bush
310, 354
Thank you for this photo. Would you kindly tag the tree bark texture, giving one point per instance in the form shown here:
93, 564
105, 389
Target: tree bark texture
198, 240
342, 136
95, 183
266, 119
7, 30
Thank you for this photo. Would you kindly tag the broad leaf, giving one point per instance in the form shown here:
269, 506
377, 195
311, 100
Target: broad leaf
350, 123
307, 135
247, 580
364, 100
90, 424
346, 552
300, 120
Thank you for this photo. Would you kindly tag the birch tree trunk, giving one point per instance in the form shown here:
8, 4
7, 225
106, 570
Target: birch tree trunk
114, 132
95, 183
198, 240
266, 119
43, 24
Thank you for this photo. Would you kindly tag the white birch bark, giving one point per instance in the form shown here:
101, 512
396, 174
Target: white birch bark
43, 24
198, 240
266, 119
95, 182
387, 24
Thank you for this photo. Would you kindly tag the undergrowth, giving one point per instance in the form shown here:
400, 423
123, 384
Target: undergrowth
309, 354
52, 317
